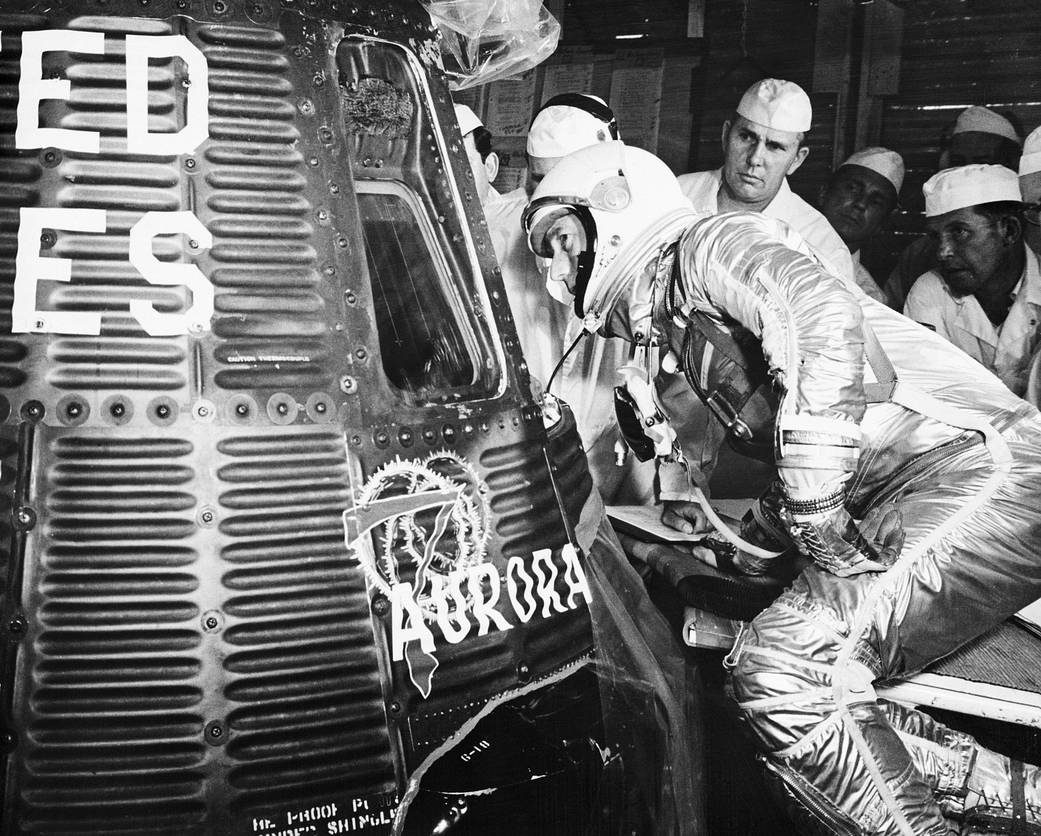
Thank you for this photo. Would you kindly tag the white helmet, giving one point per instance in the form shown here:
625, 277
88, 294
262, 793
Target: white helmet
630, 205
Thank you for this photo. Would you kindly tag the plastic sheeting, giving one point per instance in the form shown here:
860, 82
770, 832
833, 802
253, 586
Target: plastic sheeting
485, 40
648, 692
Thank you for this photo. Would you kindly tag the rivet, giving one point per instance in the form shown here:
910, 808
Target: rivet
25, 518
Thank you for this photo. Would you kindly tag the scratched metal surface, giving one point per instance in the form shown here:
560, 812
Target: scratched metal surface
189, 645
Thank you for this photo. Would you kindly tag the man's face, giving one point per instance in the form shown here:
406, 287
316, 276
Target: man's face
566, 240
482, 169
538, 168
970, 247
976, 147
1030, 186
856, 202
756, 159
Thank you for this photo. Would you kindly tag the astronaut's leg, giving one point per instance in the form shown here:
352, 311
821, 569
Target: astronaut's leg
803, 669
972, 784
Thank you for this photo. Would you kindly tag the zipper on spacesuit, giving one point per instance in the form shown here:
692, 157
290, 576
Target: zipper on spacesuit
806, 795
921, 462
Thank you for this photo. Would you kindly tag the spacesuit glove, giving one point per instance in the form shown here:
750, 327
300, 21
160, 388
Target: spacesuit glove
825, 532
763, 526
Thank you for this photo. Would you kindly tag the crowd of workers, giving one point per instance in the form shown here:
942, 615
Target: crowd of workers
897, 414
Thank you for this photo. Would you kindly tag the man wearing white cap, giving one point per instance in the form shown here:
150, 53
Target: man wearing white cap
1030, 189
545, 326
484, 162
985, 294
762, 145
980, 137
860, 195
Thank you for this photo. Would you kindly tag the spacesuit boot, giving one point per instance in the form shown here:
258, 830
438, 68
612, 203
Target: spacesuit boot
1001, 796
985, 791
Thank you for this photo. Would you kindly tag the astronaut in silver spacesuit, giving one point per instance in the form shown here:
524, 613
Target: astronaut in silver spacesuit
908, 474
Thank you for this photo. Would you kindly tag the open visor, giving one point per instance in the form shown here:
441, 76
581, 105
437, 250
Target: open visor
538, 219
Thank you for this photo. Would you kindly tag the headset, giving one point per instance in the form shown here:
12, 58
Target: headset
591, 105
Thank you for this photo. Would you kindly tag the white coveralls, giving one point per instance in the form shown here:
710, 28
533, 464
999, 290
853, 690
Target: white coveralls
1007, 349
960, 456
702, 190
546, 328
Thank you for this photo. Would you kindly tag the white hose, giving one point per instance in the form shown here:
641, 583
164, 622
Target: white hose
727, 533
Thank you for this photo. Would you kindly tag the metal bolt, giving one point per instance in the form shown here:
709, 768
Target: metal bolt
320, 407
189, 163
380, 606
206, 517
242, 410
163, 411
74, 410
117, 410
211, 622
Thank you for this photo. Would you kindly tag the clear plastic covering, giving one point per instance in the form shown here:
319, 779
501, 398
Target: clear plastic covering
485, 40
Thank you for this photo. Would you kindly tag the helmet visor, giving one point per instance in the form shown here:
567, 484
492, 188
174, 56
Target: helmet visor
539, 219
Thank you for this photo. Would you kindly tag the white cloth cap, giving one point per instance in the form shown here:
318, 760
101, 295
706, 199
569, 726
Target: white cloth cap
882, 161
559, 130
1030, 162
984, 120
467, 119
778, 104
969, 185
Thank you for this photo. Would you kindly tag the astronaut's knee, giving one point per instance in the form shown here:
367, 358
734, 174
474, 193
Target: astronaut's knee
780, 693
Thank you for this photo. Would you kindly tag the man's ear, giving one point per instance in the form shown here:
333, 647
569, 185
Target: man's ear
725, 135
1011, 229
800, 155
491, 166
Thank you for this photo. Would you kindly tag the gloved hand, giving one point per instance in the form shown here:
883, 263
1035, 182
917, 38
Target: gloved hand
835, 542
688, 517
883, 527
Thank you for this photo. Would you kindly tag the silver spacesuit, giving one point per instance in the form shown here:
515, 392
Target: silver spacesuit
876, 415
